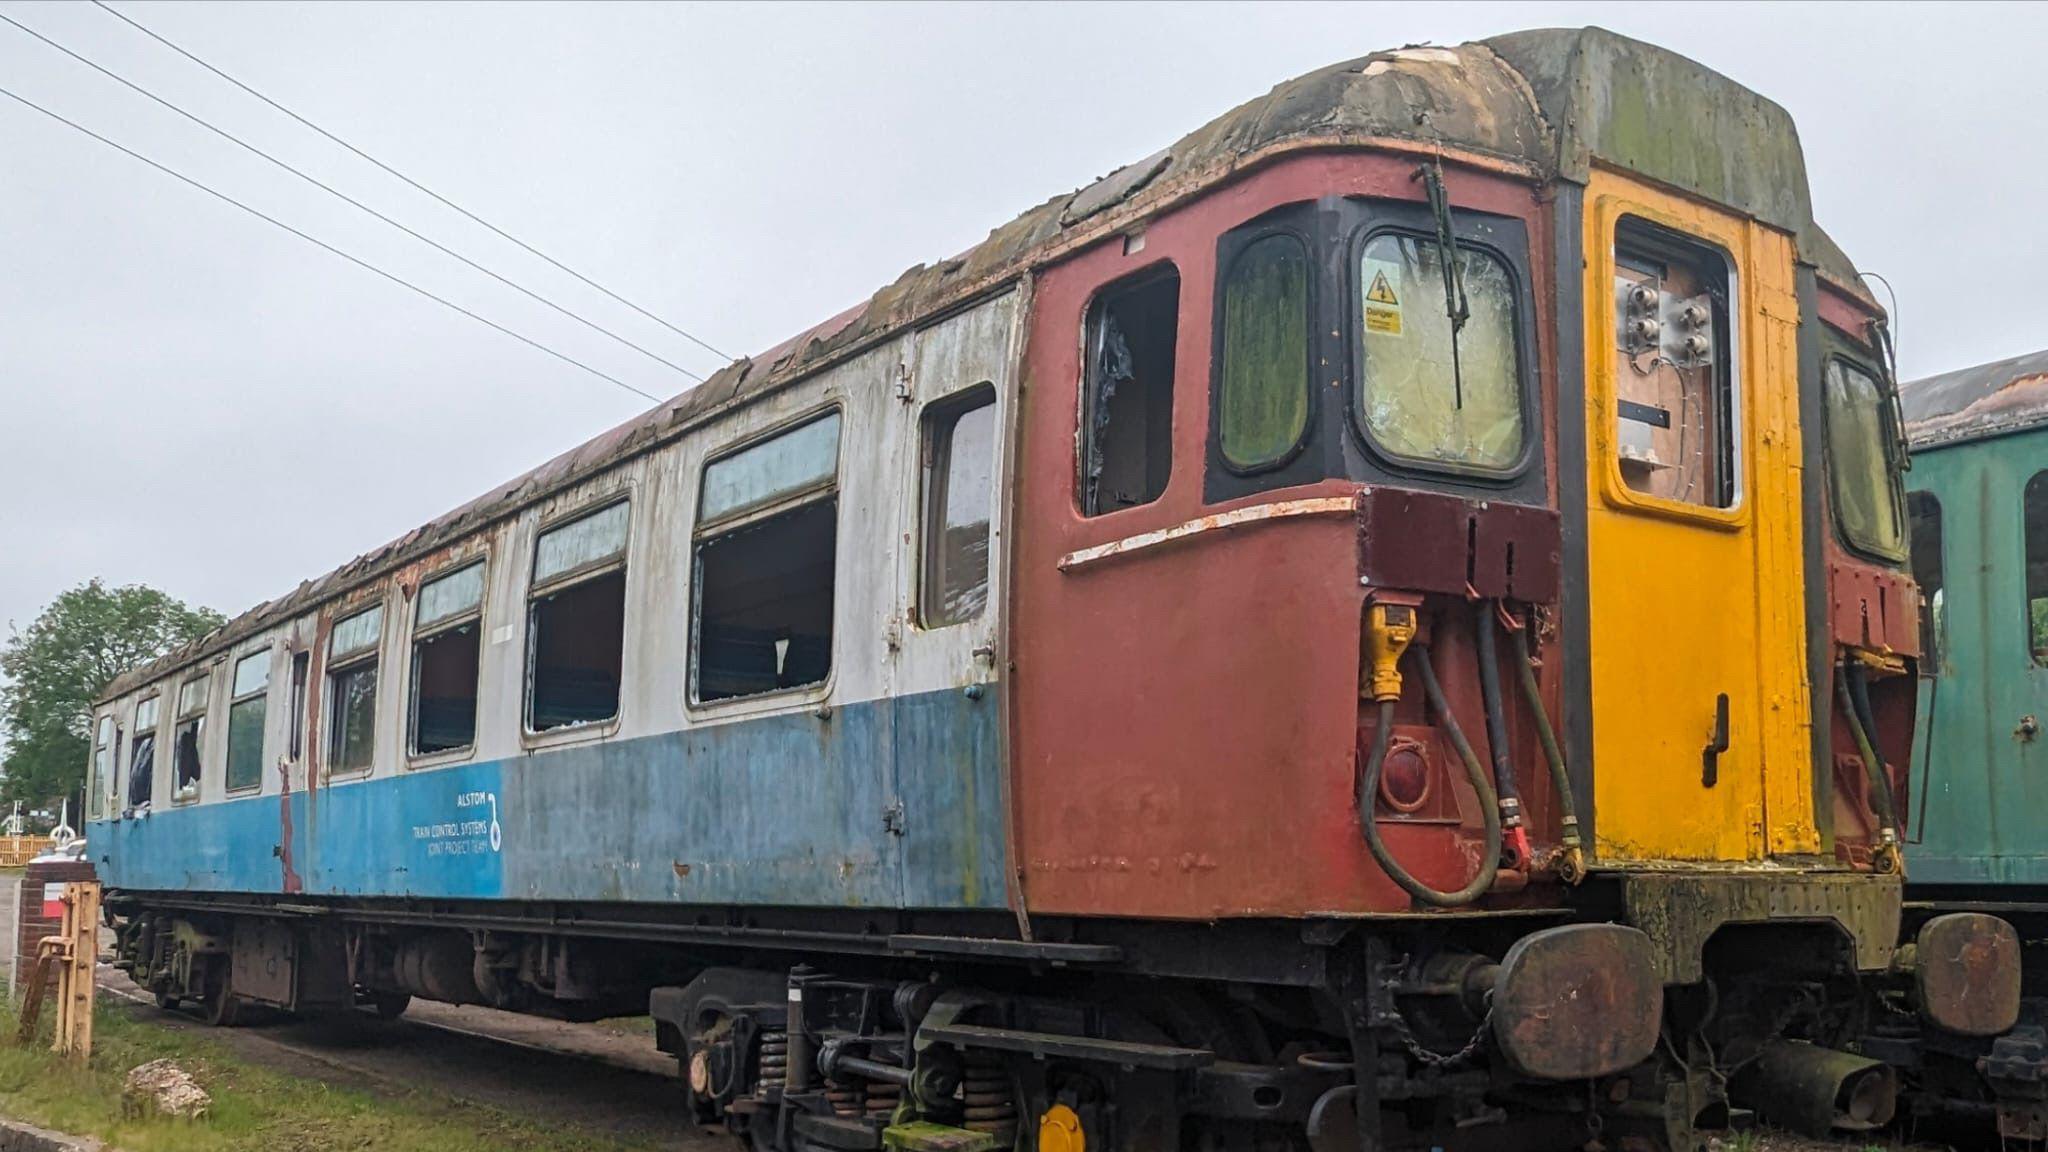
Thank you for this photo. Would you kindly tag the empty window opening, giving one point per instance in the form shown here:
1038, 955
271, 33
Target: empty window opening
301, 663
1674, 385
1861, 468
1263, 388
102, 769
2036, 505
1127, 400
1923, 512
142, 755
959, 491
576, 623
352, 692
1432, 391
764, 604
188, 740
248, 708
446, 650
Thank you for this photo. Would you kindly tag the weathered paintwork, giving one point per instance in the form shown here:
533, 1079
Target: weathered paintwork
1981, 781
1693, 602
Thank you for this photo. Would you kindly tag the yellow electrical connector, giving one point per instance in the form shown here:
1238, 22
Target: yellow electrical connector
1388, 629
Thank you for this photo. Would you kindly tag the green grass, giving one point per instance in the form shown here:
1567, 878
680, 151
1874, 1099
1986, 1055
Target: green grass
254, 1108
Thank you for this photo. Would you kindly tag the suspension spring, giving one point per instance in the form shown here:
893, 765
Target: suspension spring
772, 1070
988, 1102
882, 1099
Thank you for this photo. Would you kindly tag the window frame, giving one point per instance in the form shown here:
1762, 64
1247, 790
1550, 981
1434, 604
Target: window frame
417, 633
944, 414
1084, 427
350, 661
1238, 242
184, 716
2034, 652
1399, 218
1894, 467
622, 493
1933, 636
702, 533
135, 734
1676, 237
106, 737
228, 742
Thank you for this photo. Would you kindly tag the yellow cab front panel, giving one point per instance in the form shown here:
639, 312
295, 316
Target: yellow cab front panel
1700, 702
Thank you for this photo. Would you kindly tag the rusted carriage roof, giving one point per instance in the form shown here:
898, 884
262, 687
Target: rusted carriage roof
1972, 403
1546, 104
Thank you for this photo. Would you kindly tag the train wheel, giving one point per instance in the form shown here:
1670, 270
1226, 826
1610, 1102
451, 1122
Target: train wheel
390, 1005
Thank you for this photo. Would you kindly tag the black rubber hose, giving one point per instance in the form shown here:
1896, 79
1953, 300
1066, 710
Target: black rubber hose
1369, 786
1496, 710
1855, 691
1560, 779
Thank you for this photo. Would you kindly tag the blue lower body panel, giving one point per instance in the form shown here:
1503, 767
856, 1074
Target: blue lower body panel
786, 810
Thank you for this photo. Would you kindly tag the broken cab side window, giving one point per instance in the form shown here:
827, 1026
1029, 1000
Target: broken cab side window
764, 583
248, 707
1674, 388
447, 648
142, 754
352, 692
1127, 392
1923, 513
1863, 478
959, 492
102, 769
1263, 384
576, 621
1433, 391
188, 740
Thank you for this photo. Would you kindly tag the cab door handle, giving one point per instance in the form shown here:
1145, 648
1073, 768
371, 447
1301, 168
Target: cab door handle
1717, 743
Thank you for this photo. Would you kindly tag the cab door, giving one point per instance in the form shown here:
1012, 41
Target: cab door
1700, 703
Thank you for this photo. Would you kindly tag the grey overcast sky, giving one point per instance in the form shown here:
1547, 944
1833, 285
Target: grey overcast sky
192, 399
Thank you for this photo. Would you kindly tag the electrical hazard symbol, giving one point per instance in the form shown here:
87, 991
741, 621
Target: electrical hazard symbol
1382, 300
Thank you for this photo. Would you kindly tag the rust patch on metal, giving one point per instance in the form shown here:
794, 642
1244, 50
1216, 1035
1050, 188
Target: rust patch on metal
1967, 969
1578, 1001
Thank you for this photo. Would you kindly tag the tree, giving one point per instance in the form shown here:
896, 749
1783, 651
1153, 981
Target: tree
58, 667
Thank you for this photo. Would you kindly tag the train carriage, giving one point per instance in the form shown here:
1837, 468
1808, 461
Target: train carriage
1978, 502
1323, 635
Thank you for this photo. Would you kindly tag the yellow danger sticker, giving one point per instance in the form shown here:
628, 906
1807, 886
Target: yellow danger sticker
1382, 292
1382, 298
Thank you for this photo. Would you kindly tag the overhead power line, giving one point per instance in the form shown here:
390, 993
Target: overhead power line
337, 193
322, 244
146, 31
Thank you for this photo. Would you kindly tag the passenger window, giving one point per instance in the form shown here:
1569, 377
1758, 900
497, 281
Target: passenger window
188, 739
764, 585
576, 622
1675, 412
142, 755
447, 648
102, 769
2036, 505
248, 706
1262, 396
1923, 511
301, 662
352, 692
1860, 460
959, 490
1127, 394
1433, 391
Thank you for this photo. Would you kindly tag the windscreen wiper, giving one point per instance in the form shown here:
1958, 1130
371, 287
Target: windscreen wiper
1455, 304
